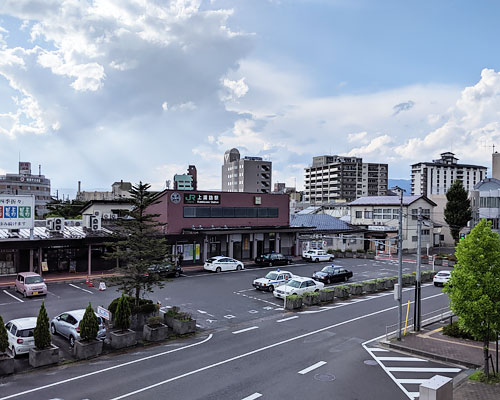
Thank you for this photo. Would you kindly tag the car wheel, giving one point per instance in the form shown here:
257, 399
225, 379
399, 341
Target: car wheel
177, 274
72, 341
271, 288
218, 269
331, 258
238, 267
53, 329
435, 284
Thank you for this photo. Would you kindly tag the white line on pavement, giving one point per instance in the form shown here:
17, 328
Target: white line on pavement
253, 396
245, 330
401, 359
376, 349
422, 369
14, 297
312, 367
412, 381
287, 319
76, 287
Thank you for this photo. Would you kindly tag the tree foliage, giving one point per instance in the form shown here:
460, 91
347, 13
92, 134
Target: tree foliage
42, 332
89, 325
4, 339
474, 287
457, 211
65, 208
139, 245
121, 318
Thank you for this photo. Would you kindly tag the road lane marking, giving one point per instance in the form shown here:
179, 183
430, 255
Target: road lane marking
14, 297
401, 359
287, 319
412, 381
422, 369
85, 290
245, 330
253, 396
312, 367
376, 349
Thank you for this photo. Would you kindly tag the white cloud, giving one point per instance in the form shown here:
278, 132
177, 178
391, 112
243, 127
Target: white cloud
234, 89
357, 137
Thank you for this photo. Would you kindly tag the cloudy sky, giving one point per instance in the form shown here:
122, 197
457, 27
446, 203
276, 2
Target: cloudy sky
103, 90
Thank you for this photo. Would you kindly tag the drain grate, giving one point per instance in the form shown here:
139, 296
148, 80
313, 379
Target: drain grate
324, 377
370, 362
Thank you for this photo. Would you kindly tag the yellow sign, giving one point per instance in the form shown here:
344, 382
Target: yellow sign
197, 250
45, 266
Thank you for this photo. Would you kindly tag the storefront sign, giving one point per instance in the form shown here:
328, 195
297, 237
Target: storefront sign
17, 212
201, 198
104, 313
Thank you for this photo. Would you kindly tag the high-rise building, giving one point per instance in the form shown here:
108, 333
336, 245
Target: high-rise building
334, 178
186, 181
248, 174
436, 177
26, 183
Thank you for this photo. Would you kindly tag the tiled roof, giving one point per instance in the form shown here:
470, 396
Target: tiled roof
321, 222
70, 232
386, 200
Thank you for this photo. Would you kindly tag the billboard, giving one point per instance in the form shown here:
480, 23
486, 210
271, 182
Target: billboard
17, 212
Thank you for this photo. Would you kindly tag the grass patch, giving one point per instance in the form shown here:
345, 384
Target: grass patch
479, 376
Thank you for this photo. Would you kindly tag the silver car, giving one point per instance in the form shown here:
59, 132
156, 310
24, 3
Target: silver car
67, 324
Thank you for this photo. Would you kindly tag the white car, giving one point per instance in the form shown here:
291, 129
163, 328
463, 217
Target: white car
317, 255
221, 263
272, 280
441, 278
20, 335
298, 285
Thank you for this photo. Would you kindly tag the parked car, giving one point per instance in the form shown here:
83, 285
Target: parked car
298, 285
272, 259
441, 278
221, 263
20, 335
331, 273
167, 269
67, 324
30, 284
317, 255
272, 280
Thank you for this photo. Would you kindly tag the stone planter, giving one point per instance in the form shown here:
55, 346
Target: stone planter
389, 283
370, 256
120, 340
310, 300
341, 293
339, 254
137, 321
380, 285
408, 279
348, 254
326, 296
155, 334
293, 303
425, 276
39, 358
369, 287
84, 350
6, 364
180, 327
355, 290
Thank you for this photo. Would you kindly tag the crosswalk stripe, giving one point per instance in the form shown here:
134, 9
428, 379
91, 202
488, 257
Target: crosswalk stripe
376, 349
421, 369
400, 359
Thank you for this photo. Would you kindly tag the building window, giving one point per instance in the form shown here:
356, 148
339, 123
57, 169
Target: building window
414, 239
368, 214
359, 214
231, 212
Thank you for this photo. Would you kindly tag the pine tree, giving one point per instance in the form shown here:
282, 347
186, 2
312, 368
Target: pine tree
42, 332
139, 245
89, 325
4, 339
121, 319
457, 211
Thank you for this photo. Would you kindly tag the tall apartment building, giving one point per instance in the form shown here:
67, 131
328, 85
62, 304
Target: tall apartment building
26, 183
334, 178
435, 178
247, 174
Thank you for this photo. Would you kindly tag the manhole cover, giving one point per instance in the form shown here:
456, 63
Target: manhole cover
370, 362
324, 377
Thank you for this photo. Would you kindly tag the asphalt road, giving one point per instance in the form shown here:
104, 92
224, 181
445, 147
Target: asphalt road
251, 348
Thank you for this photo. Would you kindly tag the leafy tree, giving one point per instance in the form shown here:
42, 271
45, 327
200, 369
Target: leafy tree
42, 332
457, 211
121, 318
89, 325
139, 245
474, 287
4, 339
65, 208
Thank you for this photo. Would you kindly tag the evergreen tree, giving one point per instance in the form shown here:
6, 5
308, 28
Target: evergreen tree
139, 245
4, 339
89, 325
65, 208
121, 318
474, 286
42, 332
457, 211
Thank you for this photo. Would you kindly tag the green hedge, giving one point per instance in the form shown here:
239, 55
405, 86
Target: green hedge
146, 306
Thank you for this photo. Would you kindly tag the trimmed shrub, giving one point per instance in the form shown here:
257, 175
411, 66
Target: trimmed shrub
360, 251
42, 331
89, 325
121, 318
4, 339
146, 306
155, 322
175, 312
330, 251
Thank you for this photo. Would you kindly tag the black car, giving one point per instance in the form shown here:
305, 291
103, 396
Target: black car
331, 273
166, 269
272, 259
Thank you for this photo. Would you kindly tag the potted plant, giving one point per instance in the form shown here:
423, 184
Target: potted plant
370, 254
341, 291
310, 298
339, 253
140, 313
380, 284
88, 346
181, 322
390, 281
44, 352
408, 279
369, 286
348, 253
155, 330
326, 295
6, 361
355, 289
293, 302
122, 336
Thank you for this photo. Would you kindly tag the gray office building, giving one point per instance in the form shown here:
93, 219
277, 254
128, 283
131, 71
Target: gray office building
247, 174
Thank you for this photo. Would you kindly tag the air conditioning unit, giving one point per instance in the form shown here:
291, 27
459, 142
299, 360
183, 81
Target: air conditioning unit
49, 224
58, 224
114, 216
97, 213
78, 223
95, 223
106, 216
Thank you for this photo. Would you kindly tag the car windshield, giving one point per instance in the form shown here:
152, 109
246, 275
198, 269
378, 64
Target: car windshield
294, 283
211, 260
444, 274
327, 269
272, 275
33, 279
25, 332
266, 256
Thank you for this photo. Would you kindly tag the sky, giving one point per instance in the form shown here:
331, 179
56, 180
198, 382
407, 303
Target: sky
99, 91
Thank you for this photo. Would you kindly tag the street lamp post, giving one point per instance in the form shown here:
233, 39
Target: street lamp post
400, 269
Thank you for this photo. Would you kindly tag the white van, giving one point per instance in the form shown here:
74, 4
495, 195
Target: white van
317, 255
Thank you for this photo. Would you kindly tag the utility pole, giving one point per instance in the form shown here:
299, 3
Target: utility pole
400, 269
417, 312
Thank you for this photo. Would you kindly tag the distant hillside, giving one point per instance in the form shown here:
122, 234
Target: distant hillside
402, 183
